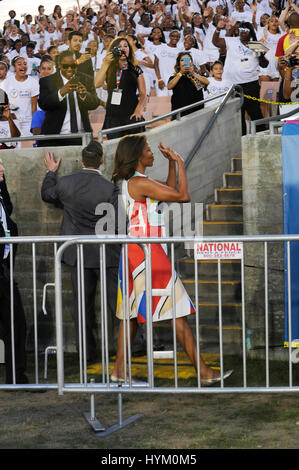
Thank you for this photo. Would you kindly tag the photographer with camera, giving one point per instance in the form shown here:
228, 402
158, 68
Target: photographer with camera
66, 97
187, 84
124, 78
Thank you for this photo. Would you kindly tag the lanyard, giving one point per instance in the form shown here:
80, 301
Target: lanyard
118, 77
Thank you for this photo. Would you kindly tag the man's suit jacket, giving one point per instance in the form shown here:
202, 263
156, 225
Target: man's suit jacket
11, 225
79, 194
55, 110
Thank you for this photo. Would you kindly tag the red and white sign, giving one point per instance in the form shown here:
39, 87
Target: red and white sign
218, 250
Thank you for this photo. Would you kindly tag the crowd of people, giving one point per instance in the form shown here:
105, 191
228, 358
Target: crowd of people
186, 49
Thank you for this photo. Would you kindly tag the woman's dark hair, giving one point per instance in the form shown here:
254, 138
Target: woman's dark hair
46, 58
245, 24
50, 48
217, 62
113, 67
200, 26
162, 39
55, 10
128, 152
195, 45
264, 14
134, 38
178, 59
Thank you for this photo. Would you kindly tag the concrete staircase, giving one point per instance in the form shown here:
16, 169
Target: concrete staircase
223, 217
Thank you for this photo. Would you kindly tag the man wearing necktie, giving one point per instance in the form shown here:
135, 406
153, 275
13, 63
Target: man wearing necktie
9, 228
66, 97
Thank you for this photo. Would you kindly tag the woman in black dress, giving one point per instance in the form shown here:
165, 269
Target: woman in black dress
186, 84
125, 85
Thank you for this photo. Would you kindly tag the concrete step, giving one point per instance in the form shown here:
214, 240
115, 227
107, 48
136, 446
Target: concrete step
232, 180
208, 269
209, 313
218, 228
208, 290
228, 195
236, 164
208, 337
222, 212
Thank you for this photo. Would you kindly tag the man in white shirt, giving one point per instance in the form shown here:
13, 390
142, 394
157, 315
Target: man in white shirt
66, 97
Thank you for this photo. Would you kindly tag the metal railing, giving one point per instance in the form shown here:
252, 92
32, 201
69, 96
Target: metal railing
85, 136
177, 113
145, 243
83, 385
274, 121
233, 90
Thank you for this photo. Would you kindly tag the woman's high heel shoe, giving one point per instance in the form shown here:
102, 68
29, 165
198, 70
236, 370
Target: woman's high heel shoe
215, 380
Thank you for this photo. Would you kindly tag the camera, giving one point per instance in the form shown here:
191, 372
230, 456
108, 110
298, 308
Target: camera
292, 61
87, 50
116, 51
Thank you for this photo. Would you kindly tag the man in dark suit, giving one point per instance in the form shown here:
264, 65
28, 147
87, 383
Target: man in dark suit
75, 40
79, 195
9, 228
66, 97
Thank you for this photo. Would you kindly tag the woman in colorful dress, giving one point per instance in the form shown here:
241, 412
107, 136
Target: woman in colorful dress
141, 196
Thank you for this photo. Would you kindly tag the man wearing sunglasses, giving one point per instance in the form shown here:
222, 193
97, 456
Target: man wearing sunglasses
66, 97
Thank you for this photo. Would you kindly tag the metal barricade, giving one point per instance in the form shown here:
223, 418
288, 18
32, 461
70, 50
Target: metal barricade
86, 382
31, 244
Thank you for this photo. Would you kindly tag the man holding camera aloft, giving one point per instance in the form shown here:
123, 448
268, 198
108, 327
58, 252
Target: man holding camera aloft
66, 97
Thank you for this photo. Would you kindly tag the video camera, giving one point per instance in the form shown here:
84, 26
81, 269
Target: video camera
292, 61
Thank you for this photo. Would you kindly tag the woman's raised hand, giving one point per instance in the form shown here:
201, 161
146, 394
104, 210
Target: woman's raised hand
108, 59
170, 154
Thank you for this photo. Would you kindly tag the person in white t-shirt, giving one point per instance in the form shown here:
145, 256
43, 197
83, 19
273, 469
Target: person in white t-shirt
22, 91
242, 67
165, 62
240, 14
216, 85
3, 71
32, 61
153, 46
144, 61
198, 56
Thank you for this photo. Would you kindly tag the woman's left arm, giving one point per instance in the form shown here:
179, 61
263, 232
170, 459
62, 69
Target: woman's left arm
202, 79
142, 97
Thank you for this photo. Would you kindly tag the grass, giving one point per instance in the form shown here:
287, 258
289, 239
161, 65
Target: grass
170, 421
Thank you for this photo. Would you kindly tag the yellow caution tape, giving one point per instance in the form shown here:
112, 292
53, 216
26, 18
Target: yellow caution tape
270, 102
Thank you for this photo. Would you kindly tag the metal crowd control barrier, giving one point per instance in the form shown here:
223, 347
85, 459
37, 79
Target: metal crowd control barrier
86, 383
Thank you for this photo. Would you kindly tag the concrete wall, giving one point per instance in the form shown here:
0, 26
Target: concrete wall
263, 215
25, 171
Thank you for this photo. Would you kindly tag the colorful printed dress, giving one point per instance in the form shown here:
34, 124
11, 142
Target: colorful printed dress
146, 221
